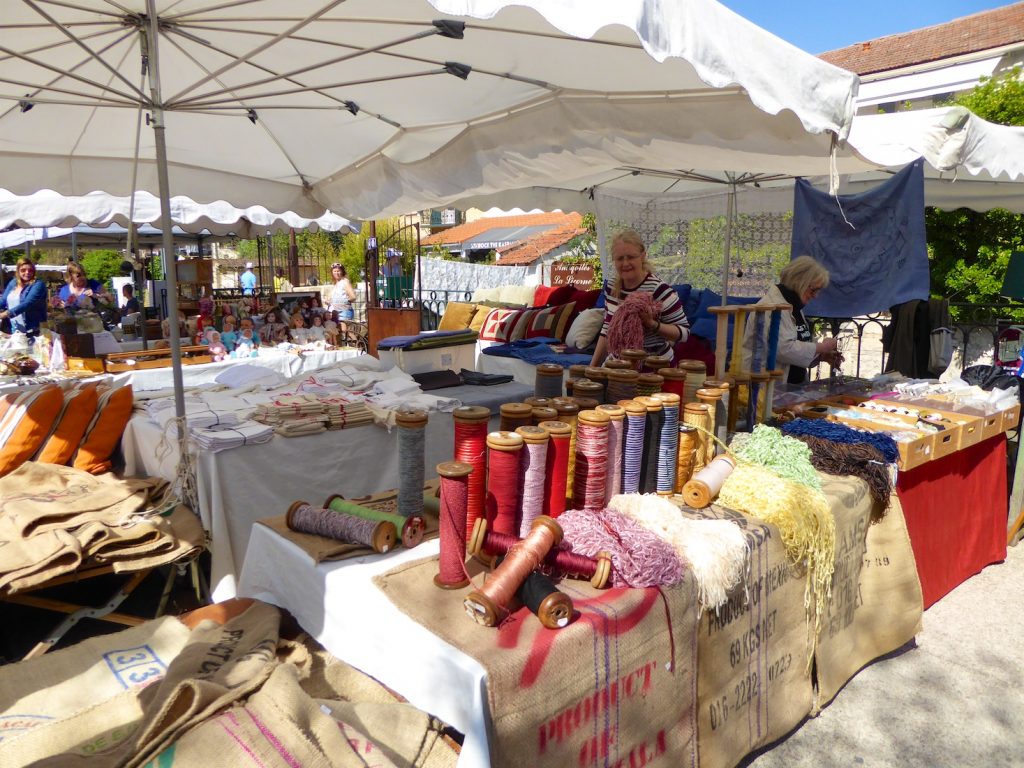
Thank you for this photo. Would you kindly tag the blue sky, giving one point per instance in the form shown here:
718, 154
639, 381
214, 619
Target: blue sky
823, 26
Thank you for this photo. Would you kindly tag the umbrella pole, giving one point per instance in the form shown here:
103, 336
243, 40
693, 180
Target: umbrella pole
167, 236
729, 215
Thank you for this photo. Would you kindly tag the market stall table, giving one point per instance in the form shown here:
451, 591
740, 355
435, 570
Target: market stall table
237, 487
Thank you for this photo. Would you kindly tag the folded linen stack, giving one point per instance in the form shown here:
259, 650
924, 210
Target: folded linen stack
343, 414
198, 414
311, 425
288, 407
222, 438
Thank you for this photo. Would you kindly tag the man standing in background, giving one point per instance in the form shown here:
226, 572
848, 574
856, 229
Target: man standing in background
248, 280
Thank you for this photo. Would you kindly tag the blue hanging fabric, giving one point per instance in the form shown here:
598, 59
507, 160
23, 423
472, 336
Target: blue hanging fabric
879, 261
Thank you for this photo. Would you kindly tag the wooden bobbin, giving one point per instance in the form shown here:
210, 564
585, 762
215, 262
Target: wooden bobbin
698, 412
650, 404
412, 530
533, 435
711, 397
672, 374
503, 440
514, 415
383, 539
578, 371
650, 382
556, 428
452, 470
633, 407
471, 413
411, 419
697, 493
594, 417
538, 402
612, 411
587, 388
586, 403
635, 358
479, 606
543, 413
668, 398
548, 373
555, 610
654, 363
603, 575
618, 365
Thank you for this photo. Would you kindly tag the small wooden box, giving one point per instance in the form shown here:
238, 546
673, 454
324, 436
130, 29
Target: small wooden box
1011, 418
94, 364
156, 358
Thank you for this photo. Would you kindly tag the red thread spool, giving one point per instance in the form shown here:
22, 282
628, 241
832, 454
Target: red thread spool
471, 447
451, 573
568, 410
486, 546
490, 604
502, 501
557, 466
674, 381
591, 460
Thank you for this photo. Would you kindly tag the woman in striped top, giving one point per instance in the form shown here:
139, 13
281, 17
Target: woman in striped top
662, 329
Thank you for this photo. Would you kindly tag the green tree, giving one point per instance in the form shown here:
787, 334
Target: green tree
969, 250
102, 265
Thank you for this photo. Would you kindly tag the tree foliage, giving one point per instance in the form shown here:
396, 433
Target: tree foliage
102, 264
969, 250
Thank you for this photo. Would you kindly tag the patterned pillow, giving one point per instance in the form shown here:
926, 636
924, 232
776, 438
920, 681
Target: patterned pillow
550, 321
499, 325
25, 422
70, 425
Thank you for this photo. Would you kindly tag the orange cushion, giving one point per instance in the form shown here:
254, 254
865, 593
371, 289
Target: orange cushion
479, 317
79, 408
26, 421
113, 409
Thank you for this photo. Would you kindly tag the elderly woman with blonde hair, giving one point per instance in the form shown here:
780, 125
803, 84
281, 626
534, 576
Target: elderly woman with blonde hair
799, 282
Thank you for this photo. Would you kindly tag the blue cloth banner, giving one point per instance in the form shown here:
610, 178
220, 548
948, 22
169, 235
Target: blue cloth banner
882, 260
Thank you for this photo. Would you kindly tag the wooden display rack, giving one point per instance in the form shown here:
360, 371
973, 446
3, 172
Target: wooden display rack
155, 358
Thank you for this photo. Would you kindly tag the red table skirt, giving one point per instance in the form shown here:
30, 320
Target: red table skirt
955, 509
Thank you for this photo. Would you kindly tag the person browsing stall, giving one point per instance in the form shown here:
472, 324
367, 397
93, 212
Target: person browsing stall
79, 286
342, 294
24, 299
131, 304
248, 280
665, 324
799, 282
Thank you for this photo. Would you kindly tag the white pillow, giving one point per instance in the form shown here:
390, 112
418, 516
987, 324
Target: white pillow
518, 294
585, 328
485, 294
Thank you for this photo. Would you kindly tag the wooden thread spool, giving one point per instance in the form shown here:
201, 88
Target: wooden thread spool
486, 546
668, 449
694, 371
488, 605
578, 371
654, 363
591, 461
567, 413
597, 375
514, 415
635, 358
532, 474
649, 383
503, 493
586, 403
652, 443
633, 444
454, 477
411, 449
616, 423
674, 380
704, 486
408, 529
543, 413
712, 398
471, 447
591, 388
741, 382
548, 380
618, 365
380, 535
698, 415
759, 384
685, 456
621, 384
552, 607
538, 402
557, 466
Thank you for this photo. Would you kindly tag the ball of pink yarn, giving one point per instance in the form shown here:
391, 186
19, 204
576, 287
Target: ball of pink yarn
626, 329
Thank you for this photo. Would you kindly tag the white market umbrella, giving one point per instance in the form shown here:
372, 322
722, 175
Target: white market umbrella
379, 107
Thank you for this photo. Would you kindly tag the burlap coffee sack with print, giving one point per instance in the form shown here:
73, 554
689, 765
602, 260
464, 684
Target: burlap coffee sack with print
278, 726
47, 689
217, 666
616, 684
876, 602
754, 681
41, 497
27, 563
321, 548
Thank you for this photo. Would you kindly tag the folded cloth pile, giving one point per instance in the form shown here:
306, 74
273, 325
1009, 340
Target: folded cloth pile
311, 425
198, 414
222, 438
342, 413
479, 379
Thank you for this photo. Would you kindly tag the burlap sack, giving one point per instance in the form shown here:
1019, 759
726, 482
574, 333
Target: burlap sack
217, 666
876, 594
27, 563
407, 736
279, 726
152, 542
55, 686
617, 684
754, 683
40, 497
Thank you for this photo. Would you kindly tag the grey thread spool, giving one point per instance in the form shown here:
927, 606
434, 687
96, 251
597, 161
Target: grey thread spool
548, 380
380, 535
411, 442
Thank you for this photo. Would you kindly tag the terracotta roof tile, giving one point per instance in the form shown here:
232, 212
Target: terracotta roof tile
528, 251
969, 34
465, 231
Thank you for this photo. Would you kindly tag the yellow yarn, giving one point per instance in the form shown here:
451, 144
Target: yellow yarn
805, 522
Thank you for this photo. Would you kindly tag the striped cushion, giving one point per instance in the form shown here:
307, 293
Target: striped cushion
26, 420
70, 425
113, 409
550, 322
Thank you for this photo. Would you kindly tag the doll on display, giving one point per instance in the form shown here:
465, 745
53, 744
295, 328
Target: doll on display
228, 336
165, 327
299, 333
205, 313
247, 343
246, 324
331, 332
246, 308
216, 346
316, 330
270, 331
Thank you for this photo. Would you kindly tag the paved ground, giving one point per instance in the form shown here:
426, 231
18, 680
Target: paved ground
953, 700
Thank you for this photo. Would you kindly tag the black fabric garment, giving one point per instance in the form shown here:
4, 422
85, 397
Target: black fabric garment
483, 379
429, 380
907, 340
797, 375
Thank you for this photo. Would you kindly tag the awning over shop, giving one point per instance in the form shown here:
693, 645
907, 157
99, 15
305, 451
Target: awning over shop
500, 237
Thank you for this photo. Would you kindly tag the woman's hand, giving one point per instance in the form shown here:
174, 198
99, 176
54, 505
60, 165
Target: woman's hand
826, 346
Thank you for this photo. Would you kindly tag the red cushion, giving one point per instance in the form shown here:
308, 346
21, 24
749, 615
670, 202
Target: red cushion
585, 299
540, 296
563, 294
500, 325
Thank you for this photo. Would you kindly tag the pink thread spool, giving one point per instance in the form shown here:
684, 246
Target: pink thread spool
591, 468
454, 476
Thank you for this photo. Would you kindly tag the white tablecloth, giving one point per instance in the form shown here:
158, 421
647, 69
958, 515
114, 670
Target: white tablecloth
237, 487
339, 605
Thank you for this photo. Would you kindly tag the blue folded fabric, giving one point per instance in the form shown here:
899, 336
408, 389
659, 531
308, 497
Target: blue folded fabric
535, 352
403, 342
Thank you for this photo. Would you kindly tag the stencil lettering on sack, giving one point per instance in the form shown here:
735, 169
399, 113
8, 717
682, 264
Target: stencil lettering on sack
12, 725
851, 545
748, 644
738, 604
220, 652
597, 750
135, 666
746, 691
